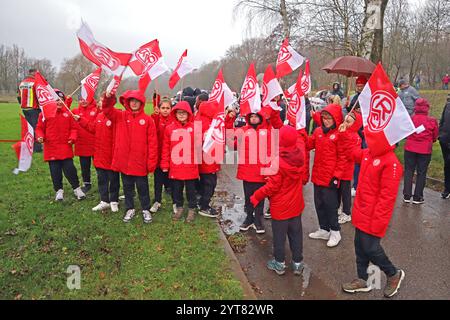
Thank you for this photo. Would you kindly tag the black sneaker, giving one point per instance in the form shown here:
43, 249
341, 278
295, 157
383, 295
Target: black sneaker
445, 195
259, 229
86, 187
417, 200
210, 213
407, 199
248, 223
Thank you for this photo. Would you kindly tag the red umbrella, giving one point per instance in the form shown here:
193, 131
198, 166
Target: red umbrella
350, 66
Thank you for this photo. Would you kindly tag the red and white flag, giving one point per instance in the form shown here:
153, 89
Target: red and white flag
385, 118
46, 96
215, 136
89, 85
250, 93
306, 80
113, 85
183, 68
270, 88
112, 62
24, 148
148, 63
296, 110
288, 59
220, 89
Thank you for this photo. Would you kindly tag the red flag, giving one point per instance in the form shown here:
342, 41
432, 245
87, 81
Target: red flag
112, 62
306, 80
221, 90
24, 148
385, 118
296, 110
183, 68
113, 85
250, 94
270, 88
288, 59
47, 97
147, 62
89, 85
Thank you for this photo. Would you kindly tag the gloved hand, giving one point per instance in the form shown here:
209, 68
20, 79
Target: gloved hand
335, 183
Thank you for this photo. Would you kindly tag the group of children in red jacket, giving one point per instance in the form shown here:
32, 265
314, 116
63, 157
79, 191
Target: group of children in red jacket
134, 144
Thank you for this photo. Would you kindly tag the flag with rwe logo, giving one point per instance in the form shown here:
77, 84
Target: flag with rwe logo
89, 85
386, 120
112, 62
306, 80
114, 85
288, 60
250, 93
220, 89
24, 148
46, 96
296, 110
270, 88
183, 68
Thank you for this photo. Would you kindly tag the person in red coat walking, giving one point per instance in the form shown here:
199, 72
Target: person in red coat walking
328, 169
108, 180
418, 149
285, 193
379, 180
85, 144
178, 159
58, 134
135, 149
161, 178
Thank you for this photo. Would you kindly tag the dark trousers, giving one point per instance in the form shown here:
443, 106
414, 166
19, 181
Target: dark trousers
356, 175
249, 190
141, 183
57, 167
345, 196
32, 116
108, 185
446, 154
293, 229
368, 249
177, 193
419, 163
208, 182
85, 164
327, 204
160, 179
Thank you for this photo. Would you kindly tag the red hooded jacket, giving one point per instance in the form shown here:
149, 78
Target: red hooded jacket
422, 142
57, 132
329, 158
285, 189
85, 145
163, 122
136, 143
180, 166
350, 140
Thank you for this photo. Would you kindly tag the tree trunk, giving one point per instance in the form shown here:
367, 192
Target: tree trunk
371, 46
284, 16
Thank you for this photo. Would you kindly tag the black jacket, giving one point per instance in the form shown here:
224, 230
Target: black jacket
444, 124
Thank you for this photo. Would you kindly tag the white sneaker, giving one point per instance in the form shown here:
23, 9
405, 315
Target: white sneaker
174, 209
320, 234
344, 218
101, 206
79, 193
114, 206
59, 195
353, 192
129, 215
147, 216
340, 212
155, 207
335, 238
121, 197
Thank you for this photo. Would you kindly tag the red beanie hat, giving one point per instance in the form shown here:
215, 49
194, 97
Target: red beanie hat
361, 80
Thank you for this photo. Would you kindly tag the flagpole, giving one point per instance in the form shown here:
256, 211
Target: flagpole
70, 95
181, 94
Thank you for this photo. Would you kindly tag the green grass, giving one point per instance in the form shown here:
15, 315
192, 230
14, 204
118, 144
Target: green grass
39, 239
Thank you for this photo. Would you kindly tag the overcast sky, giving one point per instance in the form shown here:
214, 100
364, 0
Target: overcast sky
46, 28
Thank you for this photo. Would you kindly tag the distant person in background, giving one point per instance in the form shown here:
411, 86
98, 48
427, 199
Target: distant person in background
445, 82
337, 90
408, 95
444, 140
29, 103
417, 82
418, 149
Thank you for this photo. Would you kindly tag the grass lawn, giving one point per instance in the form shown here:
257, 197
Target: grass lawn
40, 239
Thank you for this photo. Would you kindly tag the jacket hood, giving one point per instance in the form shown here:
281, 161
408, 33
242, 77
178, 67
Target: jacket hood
260, 114
208, 109
358, 122
132, 94
422, 106
336, 112
183, 105
292, 161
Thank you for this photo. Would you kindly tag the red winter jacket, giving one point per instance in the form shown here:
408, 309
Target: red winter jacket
302, 141
136, 143
422, 142
285, 188
205, 115
179, 167
272, 116
350, 140
57, 132
85, 145
104, 132
378, 184
329, 158
163, 122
